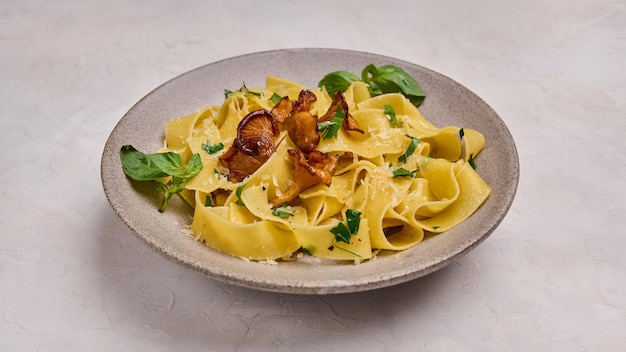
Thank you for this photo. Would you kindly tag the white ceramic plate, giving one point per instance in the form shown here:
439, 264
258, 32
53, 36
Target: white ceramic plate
447, 103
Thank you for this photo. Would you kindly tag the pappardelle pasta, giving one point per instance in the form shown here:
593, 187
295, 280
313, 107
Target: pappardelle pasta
378, 176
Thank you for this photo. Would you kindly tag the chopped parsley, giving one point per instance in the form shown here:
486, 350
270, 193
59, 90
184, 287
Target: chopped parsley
275, 98
330, 128
409, 150
471, 161
245, 89
212, 149
282, 211
238, 194
401, 172
342, 232
391, 113
354, 220
461, 133
208, 202
218, 173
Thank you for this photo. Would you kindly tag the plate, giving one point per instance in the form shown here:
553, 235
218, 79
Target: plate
447, 103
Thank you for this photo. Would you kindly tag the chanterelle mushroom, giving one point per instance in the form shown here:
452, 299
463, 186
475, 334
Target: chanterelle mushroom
282, 109
349, 123
301, 125
253, 145
302, 129
318, 168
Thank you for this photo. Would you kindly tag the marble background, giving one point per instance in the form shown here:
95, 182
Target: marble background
551, 277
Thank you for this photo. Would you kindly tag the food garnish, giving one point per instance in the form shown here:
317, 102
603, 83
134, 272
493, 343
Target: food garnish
152, 167
380, 80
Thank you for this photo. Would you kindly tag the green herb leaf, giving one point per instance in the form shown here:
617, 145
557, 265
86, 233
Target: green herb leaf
138, 166
282, 211
401, 172
392, 79
409, 150
227, 93
389, 111
238, 194
150, 167
275, 98
331, 128
212, 149
349, 251
461, 133
341, 232
337, 81
218, 173
170, 163
380, 80
471, 161
193, 167
245, 89
208, 202
353, 218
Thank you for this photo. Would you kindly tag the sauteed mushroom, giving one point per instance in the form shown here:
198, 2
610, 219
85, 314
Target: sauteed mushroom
318, 168
349, 123
253, 145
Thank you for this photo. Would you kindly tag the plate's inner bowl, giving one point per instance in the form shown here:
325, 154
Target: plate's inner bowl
447, 103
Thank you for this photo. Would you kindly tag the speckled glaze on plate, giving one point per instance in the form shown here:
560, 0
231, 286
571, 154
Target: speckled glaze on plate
447, 103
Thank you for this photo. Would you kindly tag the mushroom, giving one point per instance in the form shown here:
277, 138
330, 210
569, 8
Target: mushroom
253, 145
305, 99
301, 125
349, 123
302, 129
318, 168
282, 109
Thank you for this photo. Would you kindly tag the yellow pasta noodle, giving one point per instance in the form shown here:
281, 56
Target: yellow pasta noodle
404, 179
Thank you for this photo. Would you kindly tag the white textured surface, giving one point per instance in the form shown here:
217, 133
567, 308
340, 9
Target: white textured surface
551, 277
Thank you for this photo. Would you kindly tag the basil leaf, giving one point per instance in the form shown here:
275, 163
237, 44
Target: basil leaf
337, 81
137, 166
392, 79
150, 167
193, 167
169, 162
227, 93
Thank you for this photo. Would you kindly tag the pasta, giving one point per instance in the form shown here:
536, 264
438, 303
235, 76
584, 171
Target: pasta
403, 179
